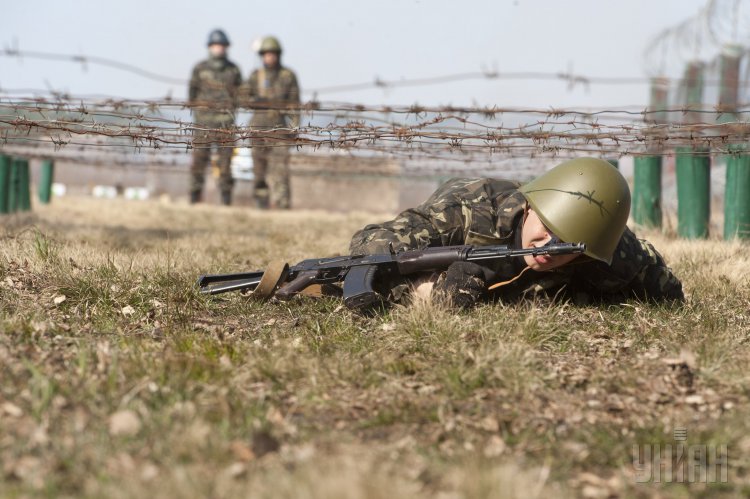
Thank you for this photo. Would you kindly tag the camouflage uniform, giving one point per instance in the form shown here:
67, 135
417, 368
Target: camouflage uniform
273, 87
214, 87
490, 211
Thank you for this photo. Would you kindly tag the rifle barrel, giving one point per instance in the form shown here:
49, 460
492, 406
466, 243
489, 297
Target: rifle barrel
491, 253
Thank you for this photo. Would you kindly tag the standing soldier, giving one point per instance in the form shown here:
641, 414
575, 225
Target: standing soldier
272, 86
214, 86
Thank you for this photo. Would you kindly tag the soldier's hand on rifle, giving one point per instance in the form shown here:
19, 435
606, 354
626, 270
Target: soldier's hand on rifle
463, 284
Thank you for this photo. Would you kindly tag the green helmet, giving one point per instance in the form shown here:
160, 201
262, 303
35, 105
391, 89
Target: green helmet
269, 44
583, 200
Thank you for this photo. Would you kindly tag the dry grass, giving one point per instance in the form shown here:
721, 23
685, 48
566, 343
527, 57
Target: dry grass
118, 380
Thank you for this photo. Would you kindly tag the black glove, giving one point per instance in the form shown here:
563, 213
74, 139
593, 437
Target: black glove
463, 284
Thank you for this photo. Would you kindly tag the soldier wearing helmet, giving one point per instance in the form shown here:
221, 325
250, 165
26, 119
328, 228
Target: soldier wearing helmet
583, 200
269, 89
213, 94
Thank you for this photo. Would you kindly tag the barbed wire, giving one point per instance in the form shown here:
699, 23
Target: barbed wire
86, 60
44, 120
140, 108
570, 78
409, 164
433, 131
718, 24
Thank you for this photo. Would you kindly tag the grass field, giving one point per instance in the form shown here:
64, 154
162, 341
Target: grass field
118, 380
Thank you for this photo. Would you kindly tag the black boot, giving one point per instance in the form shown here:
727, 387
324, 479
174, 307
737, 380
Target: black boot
195, 197
262, 203
261, 196
226, 198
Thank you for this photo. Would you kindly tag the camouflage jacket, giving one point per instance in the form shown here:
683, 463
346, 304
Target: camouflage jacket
214, 87
273, 87
490, 211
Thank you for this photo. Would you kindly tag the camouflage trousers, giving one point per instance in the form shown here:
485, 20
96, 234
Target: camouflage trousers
271, 174
203, 142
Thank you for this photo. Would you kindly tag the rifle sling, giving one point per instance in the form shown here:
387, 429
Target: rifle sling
503, 283
275, 274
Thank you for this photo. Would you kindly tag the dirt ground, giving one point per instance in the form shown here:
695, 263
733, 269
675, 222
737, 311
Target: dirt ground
118, 379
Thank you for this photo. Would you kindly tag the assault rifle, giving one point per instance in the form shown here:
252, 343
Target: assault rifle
363, 275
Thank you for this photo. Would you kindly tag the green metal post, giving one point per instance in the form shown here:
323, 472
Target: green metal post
647, 191
737, 197
46, 174
24, 187
659, 101
5, 162
693, 85
646, 204
729, 72
693, 192
13, 186
693, 166
737, 193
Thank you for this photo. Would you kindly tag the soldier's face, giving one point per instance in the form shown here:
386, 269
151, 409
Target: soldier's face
534, 234
270, 59
217, 50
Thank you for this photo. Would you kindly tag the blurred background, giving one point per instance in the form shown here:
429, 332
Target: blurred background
396, 96
332, 44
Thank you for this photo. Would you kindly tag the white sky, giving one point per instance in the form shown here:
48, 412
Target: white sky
332, 42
